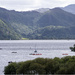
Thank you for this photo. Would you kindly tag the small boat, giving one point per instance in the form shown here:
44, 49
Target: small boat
64, 54
14, 52
35, 53
10, 62
0, 48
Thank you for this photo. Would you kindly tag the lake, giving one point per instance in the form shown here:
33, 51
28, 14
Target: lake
19, 50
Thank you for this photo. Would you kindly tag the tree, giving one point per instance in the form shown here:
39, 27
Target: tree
10, 69
24, 68
65, 65
36, 68
73, 48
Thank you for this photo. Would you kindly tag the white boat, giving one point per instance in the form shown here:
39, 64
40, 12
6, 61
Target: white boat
35, 53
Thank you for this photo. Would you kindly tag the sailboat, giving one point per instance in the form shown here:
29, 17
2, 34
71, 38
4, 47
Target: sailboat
35, 53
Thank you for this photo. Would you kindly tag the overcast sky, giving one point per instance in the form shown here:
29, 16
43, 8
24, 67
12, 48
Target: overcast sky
24, 5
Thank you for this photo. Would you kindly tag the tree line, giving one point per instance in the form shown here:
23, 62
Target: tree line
64, 65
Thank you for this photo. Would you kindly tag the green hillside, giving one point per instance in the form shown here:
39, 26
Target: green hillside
7, 33
54, 32
52, 24
56, 17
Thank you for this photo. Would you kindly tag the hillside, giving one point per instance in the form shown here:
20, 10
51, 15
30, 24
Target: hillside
21, 22
52, 24
56, 17
54, 32
55, 24
7, 33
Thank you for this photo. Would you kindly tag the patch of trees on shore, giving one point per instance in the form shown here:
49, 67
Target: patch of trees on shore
73, 48
64, 65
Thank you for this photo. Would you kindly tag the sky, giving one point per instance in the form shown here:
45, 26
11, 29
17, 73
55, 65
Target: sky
26, 5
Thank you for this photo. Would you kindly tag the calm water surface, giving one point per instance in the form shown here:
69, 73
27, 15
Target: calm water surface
48, 49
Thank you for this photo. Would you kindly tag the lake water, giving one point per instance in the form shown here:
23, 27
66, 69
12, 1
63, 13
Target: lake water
48, 49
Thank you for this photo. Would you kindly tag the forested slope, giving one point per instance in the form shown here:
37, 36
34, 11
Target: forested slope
52, 24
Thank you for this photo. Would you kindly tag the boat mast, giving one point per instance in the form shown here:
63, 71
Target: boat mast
35, 49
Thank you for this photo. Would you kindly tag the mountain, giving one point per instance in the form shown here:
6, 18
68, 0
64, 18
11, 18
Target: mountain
70, 8
51, 24
12, 16
56, 17
21, 22
55, 24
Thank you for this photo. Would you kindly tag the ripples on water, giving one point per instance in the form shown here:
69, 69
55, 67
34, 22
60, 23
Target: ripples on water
48, 48
41, 45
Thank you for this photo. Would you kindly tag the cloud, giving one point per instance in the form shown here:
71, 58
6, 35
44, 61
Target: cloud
56, 3
23, 5
20, 4
17, 2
